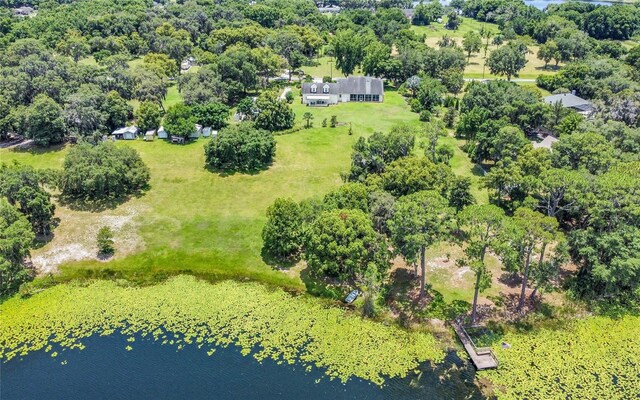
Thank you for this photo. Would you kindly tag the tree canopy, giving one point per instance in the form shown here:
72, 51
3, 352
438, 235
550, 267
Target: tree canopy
242, 147
102, 172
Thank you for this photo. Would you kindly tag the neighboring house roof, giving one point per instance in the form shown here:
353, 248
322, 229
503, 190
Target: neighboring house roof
23, 10
331, 9
350, 85
546, 143
569, 100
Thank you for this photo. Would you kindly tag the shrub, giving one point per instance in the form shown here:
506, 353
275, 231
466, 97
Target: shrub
450, 117
425, 116
241, 147
105, 171
416, 107
105, 241
289, 97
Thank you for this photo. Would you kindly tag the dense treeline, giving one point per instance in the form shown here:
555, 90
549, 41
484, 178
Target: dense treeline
26, 211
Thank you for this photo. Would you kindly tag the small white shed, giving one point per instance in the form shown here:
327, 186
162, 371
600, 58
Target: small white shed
196, 132
149, 135
206, 131
162, 134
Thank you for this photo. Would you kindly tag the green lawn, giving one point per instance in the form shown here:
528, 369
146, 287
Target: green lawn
193, 220
326, 67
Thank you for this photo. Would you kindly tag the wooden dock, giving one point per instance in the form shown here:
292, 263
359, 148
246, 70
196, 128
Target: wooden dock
483, 357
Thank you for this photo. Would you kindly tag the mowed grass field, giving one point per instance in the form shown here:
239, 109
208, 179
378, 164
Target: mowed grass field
195, 221
474, 69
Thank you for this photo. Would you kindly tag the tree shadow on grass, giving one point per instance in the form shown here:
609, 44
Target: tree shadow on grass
548, 68
231, 172
510, 279
477, 170
323, 286
97, 205
277, 263
42, 240
403, 298
30, 148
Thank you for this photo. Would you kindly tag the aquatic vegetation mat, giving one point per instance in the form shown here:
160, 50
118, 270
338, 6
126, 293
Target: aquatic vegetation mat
264, 322
596, 357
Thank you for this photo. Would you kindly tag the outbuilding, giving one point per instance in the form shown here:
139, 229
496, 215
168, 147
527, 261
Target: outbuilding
162, 134
149, 135
196, 132
126, 133
206, 131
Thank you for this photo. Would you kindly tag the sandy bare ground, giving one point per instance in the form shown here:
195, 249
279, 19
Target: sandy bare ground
75, 238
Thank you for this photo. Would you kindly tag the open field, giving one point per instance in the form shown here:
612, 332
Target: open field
434, 32
193, 220
326, 67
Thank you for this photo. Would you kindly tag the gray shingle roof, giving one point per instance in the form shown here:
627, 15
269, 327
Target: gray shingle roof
568, 100
334, 88
361, 85
350, 85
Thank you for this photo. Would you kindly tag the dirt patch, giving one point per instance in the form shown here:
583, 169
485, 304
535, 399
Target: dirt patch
75, 238
49, 261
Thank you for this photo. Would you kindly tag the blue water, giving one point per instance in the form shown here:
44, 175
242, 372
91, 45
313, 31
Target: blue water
106, 370
542, 4
539, 4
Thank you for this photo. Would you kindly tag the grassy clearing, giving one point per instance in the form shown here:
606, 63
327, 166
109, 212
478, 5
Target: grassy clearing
192, 220
326, 67
434, 32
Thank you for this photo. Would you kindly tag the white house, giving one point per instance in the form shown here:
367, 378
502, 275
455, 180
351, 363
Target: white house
570, 100
162, 134
126, 133
353, 88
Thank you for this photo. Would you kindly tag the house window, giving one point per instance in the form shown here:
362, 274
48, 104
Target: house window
367, 97
360, 97
314, 89
353, 97
376, 97
325, 89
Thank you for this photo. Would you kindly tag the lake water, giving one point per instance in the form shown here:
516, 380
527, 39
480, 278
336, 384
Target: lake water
106, 370
540, 4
